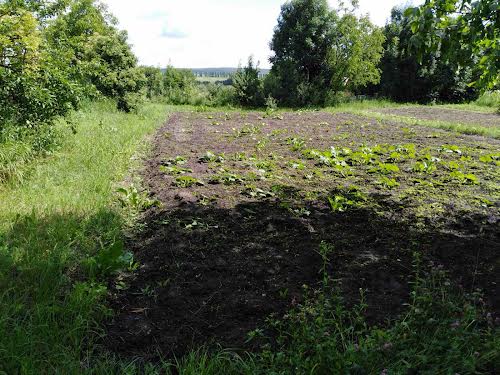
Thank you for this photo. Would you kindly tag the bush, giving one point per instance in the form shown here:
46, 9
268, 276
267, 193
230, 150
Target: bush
248, 86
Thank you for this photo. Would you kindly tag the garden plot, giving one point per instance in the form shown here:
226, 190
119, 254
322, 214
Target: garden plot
254, 207
445, 115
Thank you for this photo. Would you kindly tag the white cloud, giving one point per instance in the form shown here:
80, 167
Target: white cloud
209, 33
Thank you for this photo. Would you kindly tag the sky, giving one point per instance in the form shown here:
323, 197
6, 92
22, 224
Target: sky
210, 33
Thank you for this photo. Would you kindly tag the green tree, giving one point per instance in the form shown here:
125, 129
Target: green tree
99, 54
461, 30
405, 79
34, 83
248, 86
319, 51
179, 85
154, 81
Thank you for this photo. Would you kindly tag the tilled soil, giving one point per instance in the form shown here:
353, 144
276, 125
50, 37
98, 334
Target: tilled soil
219, 257
446, 115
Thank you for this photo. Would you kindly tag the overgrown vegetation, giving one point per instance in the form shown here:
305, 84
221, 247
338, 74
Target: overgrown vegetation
60, 233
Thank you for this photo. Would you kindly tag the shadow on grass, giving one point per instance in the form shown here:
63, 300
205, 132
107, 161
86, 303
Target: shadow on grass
210, 275
49, 310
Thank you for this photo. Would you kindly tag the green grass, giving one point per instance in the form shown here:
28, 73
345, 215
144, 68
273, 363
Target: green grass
62, 215
493, 132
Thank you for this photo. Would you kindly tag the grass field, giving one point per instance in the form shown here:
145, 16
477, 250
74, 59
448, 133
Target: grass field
345, 241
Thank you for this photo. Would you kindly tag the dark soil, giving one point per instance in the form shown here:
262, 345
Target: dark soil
447, 115
216, 262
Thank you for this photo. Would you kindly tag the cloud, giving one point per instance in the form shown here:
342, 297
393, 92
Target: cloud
173, 33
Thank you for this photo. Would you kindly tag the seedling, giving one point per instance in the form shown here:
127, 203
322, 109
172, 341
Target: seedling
187, 181
209, 157
227, 178
177, 160
388, 183
464, 178
424, 167
255, 192
384, 168
296, 144
296, 164
174, 170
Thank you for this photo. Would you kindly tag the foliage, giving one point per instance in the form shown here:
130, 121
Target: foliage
154, 81
320, 51
464, 30
406, 79
34, 84
179, 85
248, 86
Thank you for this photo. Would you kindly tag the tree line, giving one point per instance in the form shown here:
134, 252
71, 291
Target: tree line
443, 51
54, 54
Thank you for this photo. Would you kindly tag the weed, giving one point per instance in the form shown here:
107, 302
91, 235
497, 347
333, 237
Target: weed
131, 197
177, 160
253, 191
346, 199
296, 144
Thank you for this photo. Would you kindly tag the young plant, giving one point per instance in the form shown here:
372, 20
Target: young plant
187, 181
210, 157
174, 170
388, 183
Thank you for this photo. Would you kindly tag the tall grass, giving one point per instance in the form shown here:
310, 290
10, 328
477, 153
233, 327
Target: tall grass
60, 216
490, 99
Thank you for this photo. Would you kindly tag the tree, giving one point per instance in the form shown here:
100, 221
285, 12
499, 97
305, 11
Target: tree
34, 86
154, 81
405, 79
248, 85
320, 51
461, 29
179, 85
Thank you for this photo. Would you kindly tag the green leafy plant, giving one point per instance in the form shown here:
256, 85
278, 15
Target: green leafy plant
384, 168
389, 183
227, 178
209, 157
187, 181
464, 178
131, 197
424, 167
174, 170
345, 199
